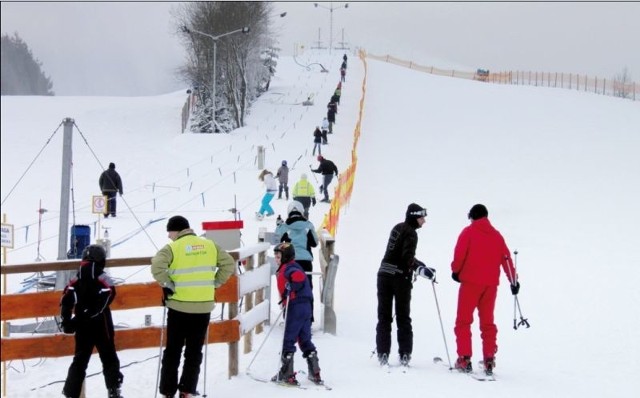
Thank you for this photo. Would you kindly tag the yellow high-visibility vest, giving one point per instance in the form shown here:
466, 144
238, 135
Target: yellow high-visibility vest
193, 269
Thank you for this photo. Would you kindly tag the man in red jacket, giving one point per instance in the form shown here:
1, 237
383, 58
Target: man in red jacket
479, 253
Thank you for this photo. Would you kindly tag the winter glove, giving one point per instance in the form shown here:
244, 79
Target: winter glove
515, 288
167, 292
69, 326
426, 272
313, 201
455, 277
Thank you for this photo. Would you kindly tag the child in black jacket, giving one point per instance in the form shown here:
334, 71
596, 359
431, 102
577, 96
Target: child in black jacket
88, 295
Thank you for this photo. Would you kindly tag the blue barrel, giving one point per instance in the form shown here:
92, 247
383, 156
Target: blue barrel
80, 238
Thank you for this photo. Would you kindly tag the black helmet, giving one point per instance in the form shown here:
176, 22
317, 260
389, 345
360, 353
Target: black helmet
287, 252
95, 253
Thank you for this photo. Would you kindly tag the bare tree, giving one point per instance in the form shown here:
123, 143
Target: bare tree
240, 70
622, 84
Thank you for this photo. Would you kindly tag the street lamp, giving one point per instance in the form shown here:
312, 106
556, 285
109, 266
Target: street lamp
213, 77
330, 8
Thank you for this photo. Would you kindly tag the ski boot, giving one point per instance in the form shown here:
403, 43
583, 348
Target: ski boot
114, 392
286, 375
383, 358
489, 363
314, 367
463, 364
405, 359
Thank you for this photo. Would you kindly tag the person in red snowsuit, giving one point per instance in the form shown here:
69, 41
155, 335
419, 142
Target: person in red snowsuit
478, 256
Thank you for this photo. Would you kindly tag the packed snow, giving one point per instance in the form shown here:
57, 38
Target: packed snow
557, 169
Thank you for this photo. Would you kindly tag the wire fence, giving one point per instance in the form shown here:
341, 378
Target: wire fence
570, 81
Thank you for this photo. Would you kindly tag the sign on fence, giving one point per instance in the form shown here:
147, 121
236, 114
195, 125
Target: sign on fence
7, 235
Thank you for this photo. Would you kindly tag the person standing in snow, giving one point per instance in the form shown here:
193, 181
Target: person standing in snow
325, 130
317, 140
301, 233
189, 269
343, 74
332, 111
395, 282
297, 297
283, 178
88, 296
479, 253
328, 169
271, 189
304, 193
110, 185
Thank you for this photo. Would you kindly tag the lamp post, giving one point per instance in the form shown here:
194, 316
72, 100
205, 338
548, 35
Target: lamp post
213, 77
331, 8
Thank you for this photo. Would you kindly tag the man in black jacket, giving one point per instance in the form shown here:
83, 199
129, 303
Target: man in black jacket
328, 169
110, 185
395, 281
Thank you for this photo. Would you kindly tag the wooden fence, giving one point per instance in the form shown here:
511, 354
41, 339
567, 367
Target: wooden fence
250, 285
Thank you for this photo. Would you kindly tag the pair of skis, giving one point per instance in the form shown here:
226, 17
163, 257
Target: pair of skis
480, 376
319, 385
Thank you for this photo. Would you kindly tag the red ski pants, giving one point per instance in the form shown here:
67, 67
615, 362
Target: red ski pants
470, 297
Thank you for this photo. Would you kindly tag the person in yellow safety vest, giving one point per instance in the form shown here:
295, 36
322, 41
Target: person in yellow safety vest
189, 269
304, 193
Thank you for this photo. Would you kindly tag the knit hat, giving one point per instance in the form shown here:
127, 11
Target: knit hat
177, 224
112, 165
477, 212
284, 162
303, 176
415, 211
295, 206
320, 158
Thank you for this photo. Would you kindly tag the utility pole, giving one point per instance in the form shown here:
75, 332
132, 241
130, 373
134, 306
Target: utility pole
62, 277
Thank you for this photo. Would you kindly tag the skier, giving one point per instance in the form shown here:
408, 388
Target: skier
296, 294
283, 178
478, 255
189, 269
317, 140
89, 295
110, 185
304, 193
328, 169
271, 189
331, 117
301, 233
394, 282
343, 74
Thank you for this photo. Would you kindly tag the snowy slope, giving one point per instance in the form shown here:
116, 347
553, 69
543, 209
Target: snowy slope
557, 169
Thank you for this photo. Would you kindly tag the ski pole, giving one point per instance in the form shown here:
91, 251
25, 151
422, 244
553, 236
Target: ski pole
206, 353
164, 318
264, 341
446, 347
313, 173
516, 303
284, 335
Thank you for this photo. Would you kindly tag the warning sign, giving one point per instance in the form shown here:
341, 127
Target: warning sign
99, 204
7, 235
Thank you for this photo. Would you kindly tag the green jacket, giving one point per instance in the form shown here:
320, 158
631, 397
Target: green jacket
161, 262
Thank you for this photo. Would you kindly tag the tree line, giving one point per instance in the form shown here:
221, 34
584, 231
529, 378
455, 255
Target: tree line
22, 73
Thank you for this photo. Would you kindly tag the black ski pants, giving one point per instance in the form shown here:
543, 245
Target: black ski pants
396, 288
190, 331
95, 332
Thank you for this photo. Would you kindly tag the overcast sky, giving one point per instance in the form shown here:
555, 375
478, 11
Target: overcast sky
128, 48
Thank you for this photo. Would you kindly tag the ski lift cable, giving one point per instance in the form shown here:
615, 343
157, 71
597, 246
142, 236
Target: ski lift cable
31, 164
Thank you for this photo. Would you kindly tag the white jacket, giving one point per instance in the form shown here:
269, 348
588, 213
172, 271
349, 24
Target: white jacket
270, 183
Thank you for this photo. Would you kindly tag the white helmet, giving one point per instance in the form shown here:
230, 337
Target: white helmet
295, 206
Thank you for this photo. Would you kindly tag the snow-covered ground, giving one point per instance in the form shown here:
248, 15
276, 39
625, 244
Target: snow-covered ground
557, 169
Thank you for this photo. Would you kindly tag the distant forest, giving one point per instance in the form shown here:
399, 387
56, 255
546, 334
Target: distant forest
21, 72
